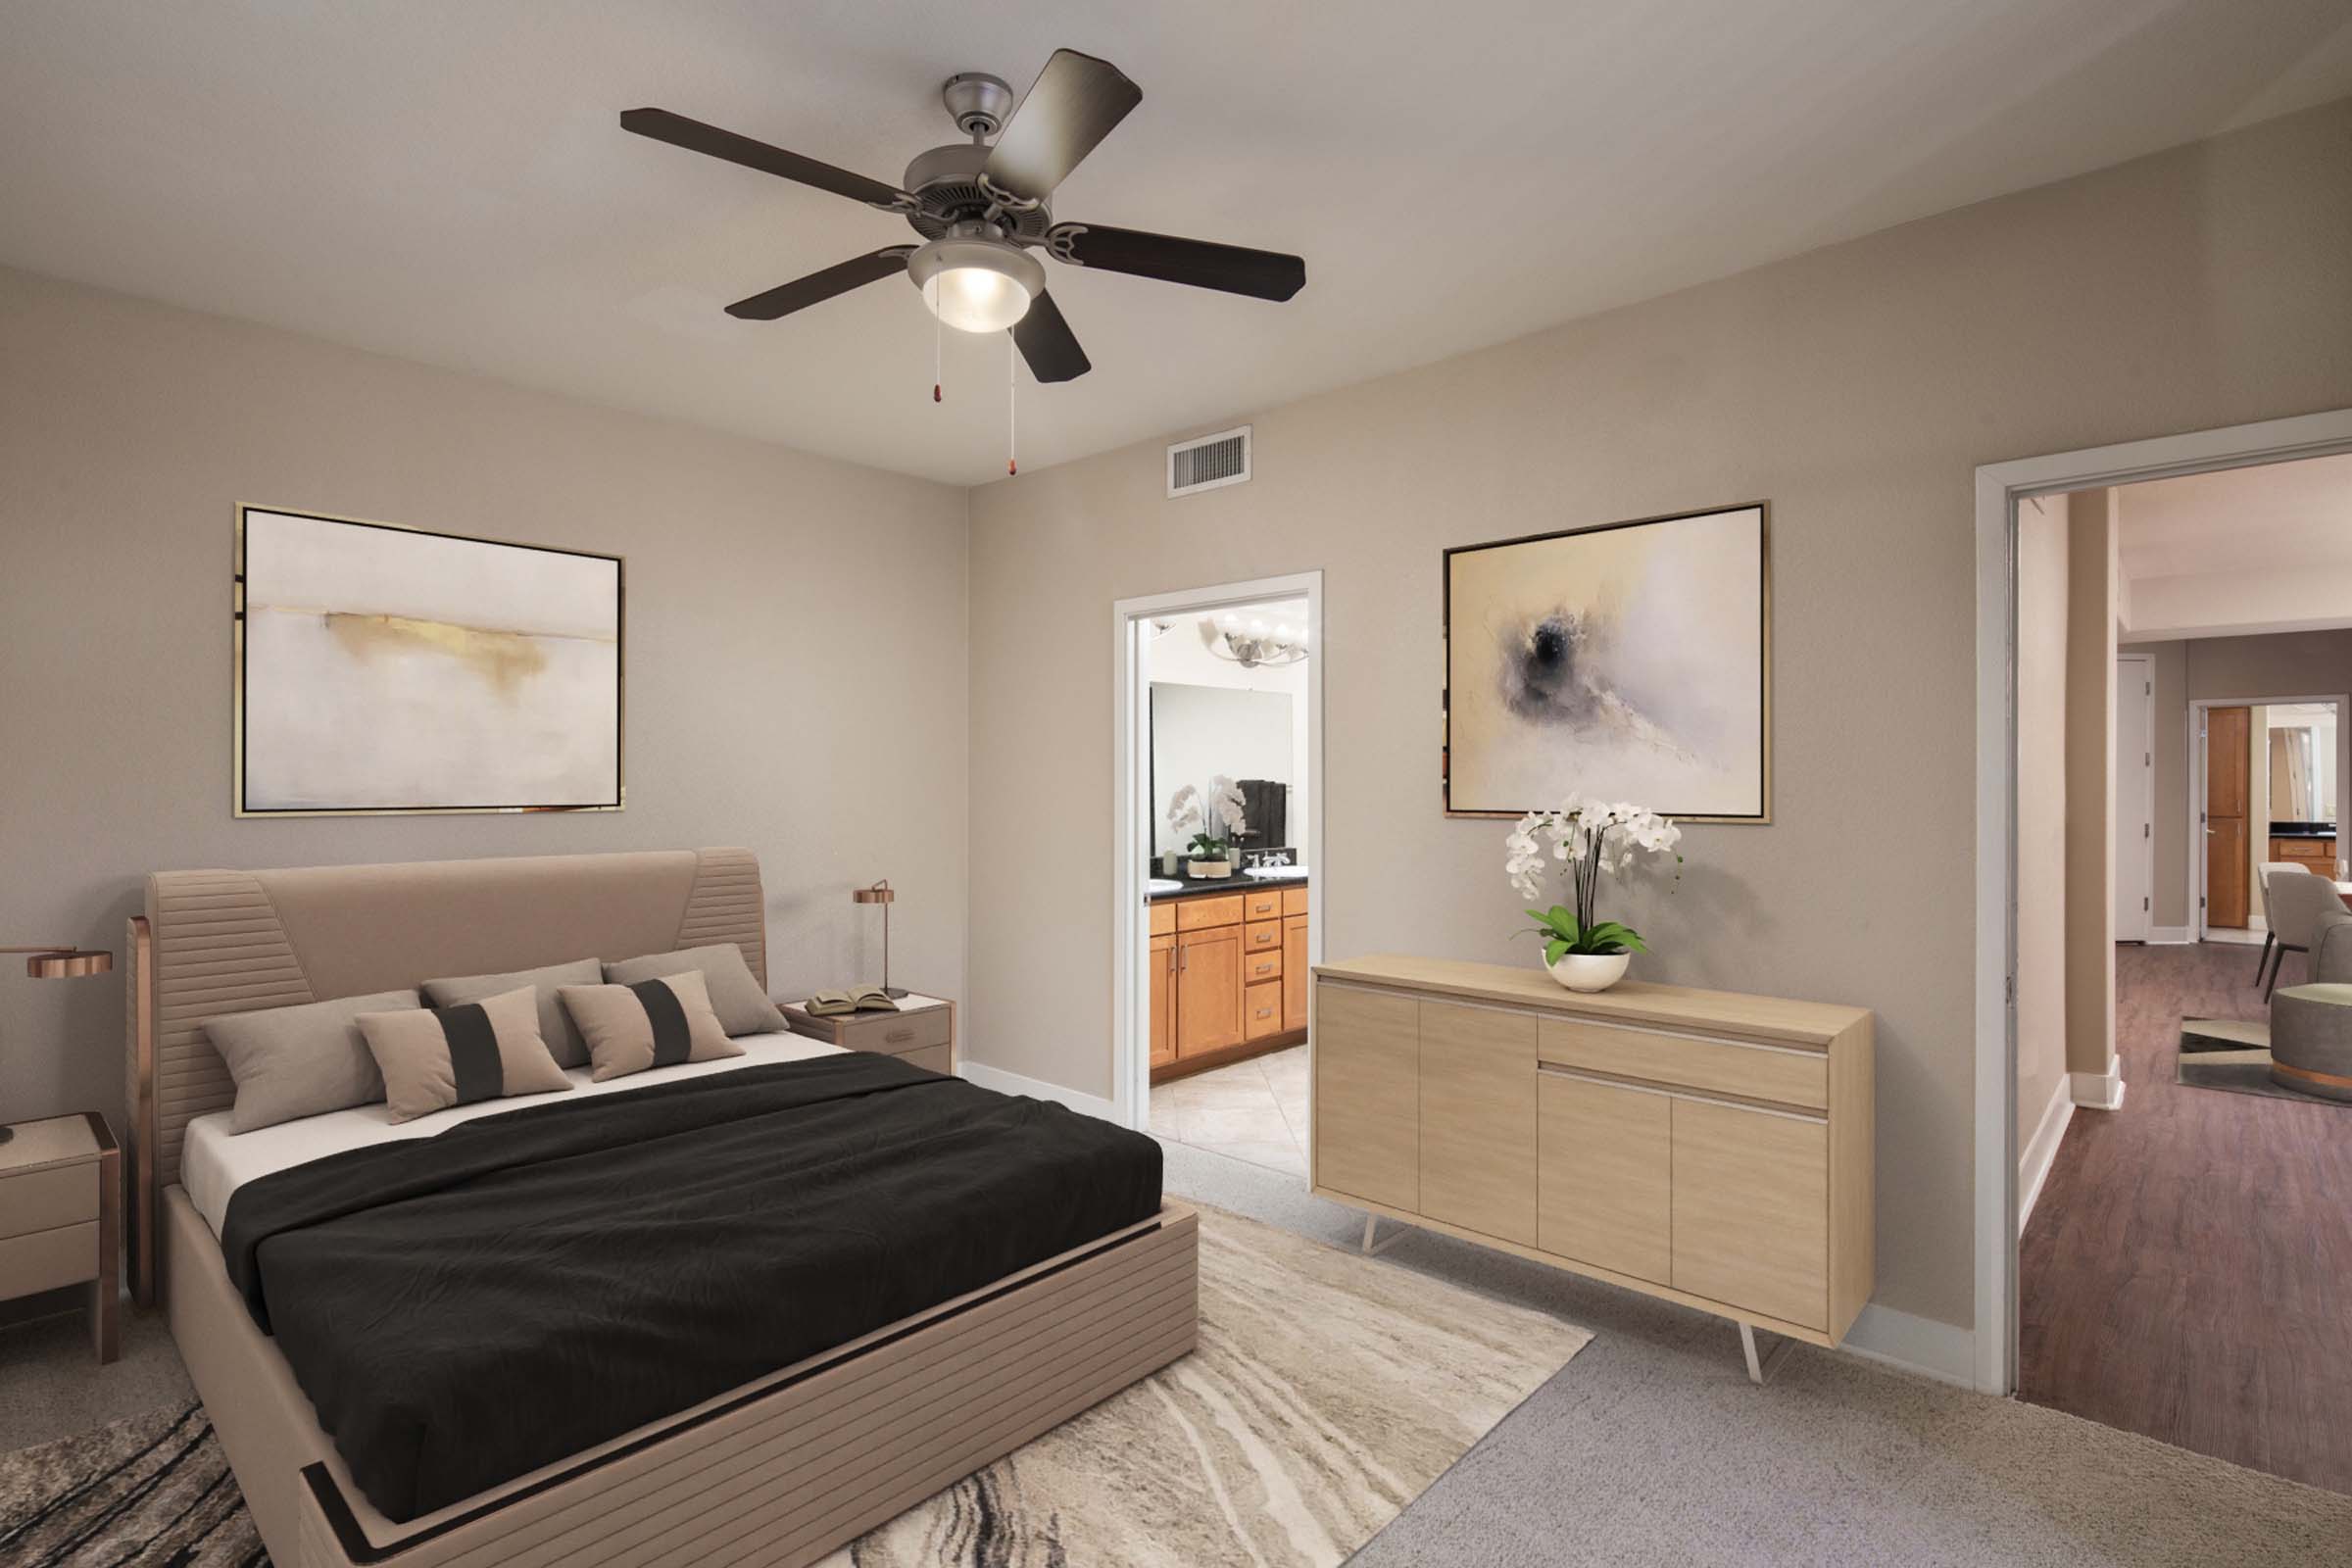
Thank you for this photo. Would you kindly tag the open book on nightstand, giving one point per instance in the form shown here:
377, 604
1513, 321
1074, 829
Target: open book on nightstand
915, 1028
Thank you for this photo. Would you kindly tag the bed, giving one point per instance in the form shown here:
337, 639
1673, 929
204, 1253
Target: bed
952, 1271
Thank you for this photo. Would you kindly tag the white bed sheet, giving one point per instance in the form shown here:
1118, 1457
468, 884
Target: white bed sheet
215, 1160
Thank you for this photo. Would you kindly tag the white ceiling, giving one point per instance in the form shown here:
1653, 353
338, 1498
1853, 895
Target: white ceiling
443, 179
2239, 551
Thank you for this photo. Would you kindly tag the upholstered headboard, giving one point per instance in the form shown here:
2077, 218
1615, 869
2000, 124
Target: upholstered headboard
219, 942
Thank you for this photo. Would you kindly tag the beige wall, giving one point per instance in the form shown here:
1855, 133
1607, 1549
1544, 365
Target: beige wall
2092, 574
1857, 388
2041, 757
796, 640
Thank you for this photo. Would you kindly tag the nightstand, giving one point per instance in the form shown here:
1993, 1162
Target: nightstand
61, 1216
922, 1031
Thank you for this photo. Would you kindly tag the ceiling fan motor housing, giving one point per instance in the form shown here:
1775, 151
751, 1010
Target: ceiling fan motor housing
945, 185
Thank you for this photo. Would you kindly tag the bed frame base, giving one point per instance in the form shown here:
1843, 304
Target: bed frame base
782, 1472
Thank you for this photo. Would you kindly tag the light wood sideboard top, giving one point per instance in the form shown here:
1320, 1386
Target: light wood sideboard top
1724, 1013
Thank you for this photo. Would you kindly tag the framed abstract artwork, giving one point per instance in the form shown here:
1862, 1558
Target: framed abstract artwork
383, 668
1632, 660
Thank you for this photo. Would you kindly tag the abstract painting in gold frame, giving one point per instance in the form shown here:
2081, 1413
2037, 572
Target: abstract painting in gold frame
383, 668
1631, 661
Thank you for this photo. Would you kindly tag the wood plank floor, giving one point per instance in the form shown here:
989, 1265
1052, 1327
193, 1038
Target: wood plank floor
2188, 1271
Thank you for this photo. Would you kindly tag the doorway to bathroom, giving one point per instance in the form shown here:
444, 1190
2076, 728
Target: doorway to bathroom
1218, 920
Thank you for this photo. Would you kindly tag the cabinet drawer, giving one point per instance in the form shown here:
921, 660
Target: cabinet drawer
936, 1059
1262, 903
1262, 966
1162, 919
897, 1035
1198, 915
1752, 1200
44, 1200
47, 1259
1260, 935
1261, 1010
1783, 1074
1294, 901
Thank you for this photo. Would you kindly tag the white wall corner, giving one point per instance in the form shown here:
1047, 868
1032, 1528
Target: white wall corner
2100, 1091
2168, 935
1013, 1083
1945, 1351
2034, 1161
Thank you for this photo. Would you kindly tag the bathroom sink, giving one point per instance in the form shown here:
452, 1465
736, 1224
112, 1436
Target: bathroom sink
1277, 873
1162, 884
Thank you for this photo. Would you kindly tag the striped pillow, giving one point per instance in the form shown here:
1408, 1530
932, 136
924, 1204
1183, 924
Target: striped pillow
653, 1023
435, 1058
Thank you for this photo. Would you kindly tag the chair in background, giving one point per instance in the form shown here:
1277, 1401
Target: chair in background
2296, 902
2269, 921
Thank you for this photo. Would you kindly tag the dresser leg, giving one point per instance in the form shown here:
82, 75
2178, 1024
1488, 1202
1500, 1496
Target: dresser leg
1762, 1368
1373, 1248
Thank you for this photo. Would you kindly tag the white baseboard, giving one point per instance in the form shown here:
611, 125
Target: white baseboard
2034, 1161
1945, 1351
2171, 936
1013, 1083
2100, 1091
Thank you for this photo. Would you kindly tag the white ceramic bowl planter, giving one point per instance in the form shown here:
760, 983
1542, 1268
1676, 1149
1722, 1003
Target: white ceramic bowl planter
1589, 972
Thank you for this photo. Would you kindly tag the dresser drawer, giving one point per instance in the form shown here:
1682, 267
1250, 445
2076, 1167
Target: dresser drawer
1783, 1074
1261, 1010
1262, 965
1262, 903
1294, 901
47, 1259
897, 1034
44, 1200
1260, 935
1198, 915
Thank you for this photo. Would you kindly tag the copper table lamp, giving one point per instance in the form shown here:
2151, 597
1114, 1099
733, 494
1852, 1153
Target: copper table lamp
59, 962
883, 894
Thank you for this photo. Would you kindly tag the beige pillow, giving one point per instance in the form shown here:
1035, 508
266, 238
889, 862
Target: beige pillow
564, 1042
435, 1058
741, 1003
300, 1060
653, 1023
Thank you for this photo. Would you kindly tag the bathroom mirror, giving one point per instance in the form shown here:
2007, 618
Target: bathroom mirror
1199, 732
2303, 762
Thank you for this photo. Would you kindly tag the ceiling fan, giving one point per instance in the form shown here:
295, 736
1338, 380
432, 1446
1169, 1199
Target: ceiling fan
982, 209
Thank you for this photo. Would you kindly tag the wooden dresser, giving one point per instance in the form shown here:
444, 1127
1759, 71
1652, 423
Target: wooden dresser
1704, 1147
1229, 975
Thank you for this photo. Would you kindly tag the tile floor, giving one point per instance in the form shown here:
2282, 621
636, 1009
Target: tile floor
1254, 1111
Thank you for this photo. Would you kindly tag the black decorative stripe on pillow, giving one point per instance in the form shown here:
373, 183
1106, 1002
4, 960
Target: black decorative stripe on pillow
671, 1037
473, 1051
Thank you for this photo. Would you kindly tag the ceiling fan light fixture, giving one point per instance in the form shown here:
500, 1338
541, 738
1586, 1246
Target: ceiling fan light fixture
976, 286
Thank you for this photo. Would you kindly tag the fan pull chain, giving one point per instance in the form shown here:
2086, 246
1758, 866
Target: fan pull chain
1012, 389
938, 331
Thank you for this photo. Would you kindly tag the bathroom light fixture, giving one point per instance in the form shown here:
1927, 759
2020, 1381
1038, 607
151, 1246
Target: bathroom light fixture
976, 284
1253, 641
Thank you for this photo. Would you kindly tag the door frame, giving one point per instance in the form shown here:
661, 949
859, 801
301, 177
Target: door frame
1130, 814
2147, 850
1999, 487
2196, 788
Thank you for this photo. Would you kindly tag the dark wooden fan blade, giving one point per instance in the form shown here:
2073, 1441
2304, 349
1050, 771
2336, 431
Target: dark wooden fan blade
818, 287
1203, 264
1071, 107
695, 137
1047, 344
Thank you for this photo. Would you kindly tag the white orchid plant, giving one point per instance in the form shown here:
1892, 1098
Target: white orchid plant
1590, 839
1209, 815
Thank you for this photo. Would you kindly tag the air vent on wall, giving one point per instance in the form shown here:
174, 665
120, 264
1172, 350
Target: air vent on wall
1206, 461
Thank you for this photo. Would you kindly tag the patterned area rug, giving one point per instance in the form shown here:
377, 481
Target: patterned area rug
152, 1490
2228, 1054
1329, 1391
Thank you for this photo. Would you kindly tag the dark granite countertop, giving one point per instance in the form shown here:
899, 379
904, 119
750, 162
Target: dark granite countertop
2302, 831
1196, 886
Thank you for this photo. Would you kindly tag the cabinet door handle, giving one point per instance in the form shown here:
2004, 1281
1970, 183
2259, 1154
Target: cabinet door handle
898, 1036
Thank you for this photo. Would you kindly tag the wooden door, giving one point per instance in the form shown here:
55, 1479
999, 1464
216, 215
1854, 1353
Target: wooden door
1164, 999
1294, 976
1478, 1119
1751, 1203
1367, 1108
1208, 990
1606, 1160
2228, 778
